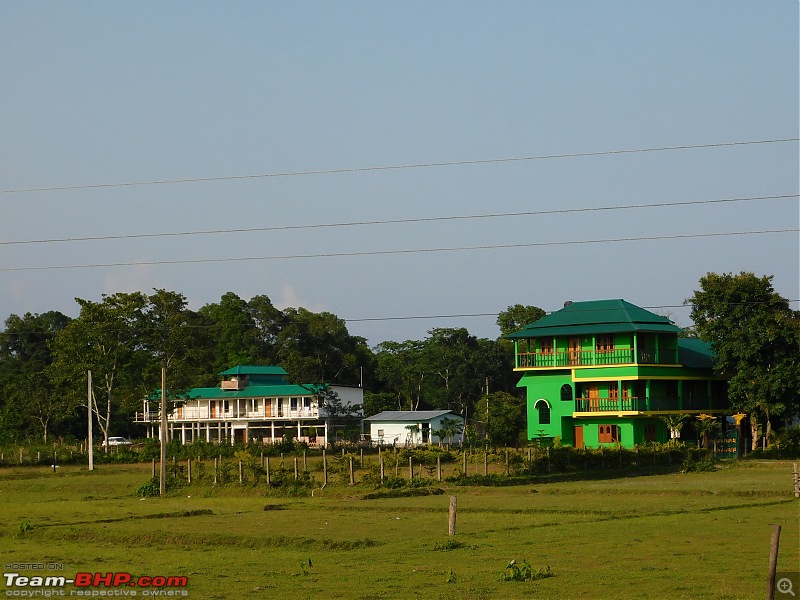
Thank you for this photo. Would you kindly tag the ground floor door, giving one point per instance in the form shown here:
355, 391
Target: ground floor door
579, 436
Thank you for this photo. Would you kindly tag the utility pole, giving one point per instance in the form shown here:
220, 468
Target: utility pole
89, 404
163, 474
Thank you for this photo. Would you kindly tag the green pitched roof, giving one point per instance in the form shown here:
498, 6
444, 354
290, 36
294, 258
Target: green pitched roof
254, 370
251, 391
695, 353
596, 316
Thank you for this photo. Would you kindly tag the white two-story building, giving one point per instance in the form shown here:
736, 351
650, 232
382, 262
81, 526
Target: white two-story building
252, 403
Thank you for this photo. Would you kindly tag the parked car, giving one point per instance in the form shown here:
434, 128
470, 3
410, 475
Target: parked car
117, 441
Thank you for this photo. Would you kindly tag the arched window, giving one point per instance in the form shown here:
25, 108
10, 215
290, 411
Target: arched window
543, 408
566, 392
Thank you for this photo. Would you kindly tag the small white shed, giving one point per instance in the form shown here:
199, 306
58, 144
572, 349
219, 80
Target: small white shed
413, 427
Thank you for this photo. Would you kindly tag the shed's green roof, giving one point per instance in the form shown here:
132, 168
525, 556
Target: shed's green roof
254, 370
597, 316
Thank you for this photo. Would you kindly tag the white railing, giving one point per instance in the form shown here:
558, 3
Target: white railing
203, 413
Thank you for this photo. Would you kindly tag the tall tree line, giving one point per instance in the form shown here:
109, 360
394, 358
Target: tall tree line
125, 338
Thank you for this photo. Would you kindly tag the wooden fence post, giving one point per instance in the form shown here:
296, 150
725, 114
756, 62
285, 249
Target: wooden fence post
451, 522
324, 467
410, 468
361, 450
189, 470
352, 474
773, 561
295, 468
508, 470
438, 468
216, 467
269, 482
241, 473
305, 464
381, 461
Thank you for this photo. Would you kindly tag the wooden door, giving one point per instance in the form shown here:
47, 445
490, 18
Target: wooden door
213, 405
574, 351
594, 397
579, 436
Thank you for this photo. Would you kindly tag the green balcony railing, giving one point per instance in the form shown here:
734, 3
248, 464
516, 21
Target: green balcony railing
649, 404
585, 358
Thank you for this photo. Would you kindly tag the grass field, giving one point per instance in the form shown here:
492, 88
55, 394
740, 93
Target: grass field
691, 535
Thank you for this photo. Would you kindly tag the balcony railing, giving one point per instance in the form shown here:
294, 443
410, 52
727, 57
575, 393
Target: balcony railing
583, 358
204, 414
648, 404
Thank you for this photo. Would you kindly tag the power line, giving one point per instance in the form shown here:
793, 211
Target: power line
396, 221
389, 252
394, 167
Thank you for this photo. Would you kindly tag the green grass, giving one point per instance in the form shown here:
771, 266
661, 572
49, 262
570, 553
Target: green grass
693, 535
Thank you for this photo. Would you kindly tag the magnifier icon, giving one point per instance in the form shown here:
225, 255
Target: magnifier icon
784, 586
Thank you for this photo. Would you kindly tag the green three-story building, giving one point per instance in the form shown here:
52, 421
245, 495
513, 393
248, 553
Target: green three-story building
605, 371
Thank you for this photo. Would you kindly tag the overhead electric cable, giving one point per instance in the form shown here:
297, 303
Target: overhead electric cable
388, 252
394, 221
395, 167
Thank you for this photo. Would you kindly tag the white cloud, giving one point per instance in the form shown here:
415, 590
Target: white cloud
290, 298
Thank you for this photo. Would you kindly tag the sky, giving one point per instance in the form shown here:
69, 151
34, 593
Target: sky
346, 143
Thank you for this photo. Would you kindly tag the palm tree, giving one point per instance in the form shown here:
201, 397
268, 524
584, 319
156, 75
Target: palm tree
674, 422
706, 425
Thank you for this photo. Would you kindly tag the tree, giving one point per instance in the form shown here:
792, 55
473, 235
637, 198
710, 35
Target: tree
317, 348
449, 428
26, 380
517, 317
234, 332
399, 367
754, 335
706, 426
106, 338
504, 416
674, 422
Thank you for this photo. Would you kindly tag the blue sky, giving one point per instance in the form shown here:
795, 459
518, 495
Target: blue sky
109, 93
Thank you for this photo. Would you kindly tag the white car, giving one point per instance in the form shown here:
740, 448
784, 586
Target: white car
117, 441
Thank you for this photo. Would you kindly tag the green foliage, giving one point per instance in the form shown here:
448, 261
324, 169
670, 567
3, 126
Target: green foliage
305, 566
523, 571
149, 489
505, 419
756, 338
426, 456
518, 317
702, 464
448, 545
25, 527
